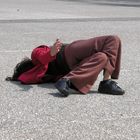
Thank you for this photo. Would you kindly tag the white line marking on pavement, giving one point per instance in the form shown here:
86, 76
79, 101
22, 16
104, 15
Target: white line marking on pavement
70, 20
14, 51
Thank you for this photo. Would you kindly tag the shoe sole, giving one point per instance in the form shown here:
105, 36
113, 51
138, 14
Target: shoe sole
105, 92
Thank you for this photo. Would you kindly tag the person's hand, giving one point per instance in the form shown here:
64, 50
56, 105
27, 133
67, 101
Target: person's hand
56, 47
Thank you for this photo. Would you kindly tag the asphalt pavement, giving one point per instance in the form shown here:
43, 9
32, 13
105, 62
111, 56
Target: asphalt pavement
36, 112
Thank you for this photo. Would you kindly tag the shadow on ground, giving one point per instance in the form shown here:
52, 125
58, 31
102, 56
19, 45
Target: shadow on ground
50, 86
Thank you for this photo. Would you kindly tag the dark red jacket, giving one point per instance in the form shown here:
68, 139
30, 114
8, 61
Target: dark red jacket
40, 58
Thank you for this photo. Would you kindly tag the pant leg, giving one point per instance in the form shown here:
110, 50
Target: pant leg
85, 74
82, 58
78, 50
112, 48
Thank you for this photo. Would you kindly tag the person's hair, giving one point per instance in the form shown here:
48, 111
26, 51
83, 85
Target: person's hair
23, 66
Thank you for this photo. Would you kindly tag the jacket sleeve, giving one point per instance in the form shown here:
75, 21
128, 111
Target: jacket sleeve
42, 54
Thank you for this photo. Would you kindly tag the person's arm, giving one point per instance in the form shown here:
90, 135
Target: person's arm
46, 54
56, 47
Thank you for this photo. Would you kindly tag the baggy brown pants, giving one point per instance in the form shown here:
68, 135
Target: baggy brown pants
87, 58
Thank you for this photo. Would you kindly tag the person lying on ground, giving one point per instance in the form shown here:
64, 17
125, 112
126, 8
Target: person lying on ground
74, 66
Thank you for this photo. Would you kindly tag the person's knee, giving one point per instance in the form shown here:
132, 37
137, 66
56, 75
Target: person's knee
115, 38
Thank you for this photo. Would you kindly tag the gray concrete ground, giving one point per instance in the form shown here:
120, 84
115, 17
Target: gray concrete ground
35, 112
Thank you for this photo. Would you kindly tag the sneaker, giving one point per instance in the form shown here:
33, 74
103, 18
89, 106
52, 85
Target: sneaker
110, 87
65, 87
